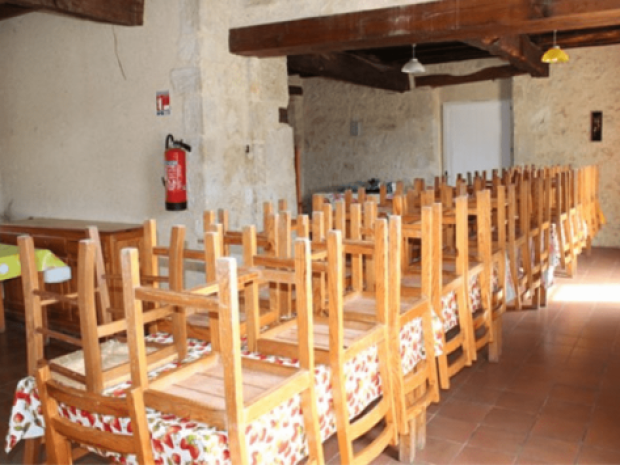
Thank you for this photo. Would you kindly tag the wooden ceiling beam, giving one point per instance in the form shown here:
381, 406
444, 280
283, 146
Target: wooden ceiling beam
488, 74
349, 68
121, 12
11, 11
519, 51
584, 39
437, 21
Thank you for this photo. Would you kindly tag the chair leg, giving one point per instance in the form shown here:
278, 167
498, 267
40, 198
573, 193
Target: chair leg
311, 423
407, 444
421, 430
514, 272
466, 322
2, 323
442, 368
495, 347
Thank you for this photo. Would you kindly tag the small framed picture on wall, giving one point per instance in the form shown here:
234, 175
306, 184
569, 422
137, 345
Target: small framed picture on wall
596, 126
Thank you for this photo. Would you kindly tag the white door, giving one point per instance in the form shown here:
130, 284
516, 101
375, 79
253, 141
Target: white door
477, 136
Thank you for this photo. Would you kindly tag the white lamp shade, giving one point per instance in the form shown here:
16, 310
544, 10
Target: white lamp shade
413, 66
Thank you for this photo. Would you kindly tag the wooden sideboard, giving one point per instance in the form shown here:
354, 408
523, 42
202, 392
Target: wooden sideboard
62, 237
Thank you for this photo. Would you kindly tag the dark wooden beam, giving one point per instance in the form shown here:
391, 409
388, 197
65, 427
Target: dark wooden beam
295, 90
11, 11
582, 39
437, 21
349, 68
121, 12
488, 74
283, 115
519, 51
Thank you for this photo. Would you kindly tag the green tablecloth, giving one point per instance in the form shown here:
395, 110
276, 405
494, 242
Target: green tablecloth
55, 270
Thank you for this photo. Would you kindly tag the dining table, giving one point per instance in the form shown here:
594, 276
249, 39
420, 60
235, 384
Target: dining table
54, 270
277, 437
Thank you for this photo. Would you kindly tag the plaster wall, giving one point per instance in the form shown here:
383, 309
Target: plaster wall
552, 123
3, 211
79, 135
401, 133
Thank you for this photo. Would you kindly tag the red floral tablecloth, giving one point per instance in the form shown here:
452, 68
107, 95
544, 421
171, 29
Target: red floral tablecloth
554, 259
276, 438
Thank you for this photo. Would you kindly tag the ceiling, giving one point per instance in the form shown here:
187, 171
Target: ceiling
370, 47
445, 52
121, 12
394, 57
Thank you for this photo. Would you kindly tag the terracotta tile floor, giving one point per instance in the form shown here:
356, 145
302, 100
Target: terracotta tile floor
553, 398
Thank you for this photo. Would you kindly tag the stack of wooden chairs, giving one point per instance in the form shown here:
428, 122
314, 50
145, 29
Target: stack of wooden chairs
420, 278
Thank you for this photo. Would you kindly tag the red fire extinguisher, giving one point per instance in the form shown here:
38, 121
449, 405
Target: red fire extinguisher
175, 179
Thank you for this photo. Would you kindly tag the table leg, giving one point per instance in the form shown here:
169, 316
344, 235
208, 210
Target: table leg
32, 450
2, 323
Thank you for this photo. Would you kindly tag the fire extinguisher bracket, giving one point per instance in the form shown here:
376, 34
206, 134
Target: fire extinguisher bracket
175, 178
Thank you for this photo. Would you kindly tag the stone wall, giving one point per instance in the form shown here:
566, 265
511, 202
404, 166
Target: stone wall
552, 122
397, 134
79, 135
401, 135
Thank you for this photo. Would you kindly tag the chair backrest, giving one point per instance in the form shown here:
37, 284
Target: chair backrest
511, 220
267, 239
430, 267
35, 301
483, 228
99, 364
498, 217
337, 250
221, 299
60, 432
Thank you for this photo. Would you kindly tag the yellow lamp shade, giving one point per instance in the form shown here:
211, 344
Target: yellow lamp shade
555, 55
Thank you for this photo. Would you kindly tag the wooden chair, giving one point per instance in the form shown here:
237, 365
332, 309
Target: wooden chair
452, 317
222, 389
61, 432
597, 219
499, 287
338, 340
414, 382
540, 235
275, 240
562, 219
587, 209
574, 211
200, 324
457, 345
519, 230
414, 388
480, 269
102, 360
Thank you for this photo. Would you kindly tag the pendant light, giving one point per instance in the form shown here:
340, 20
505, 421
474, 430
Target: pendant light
413, 66
555, 54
